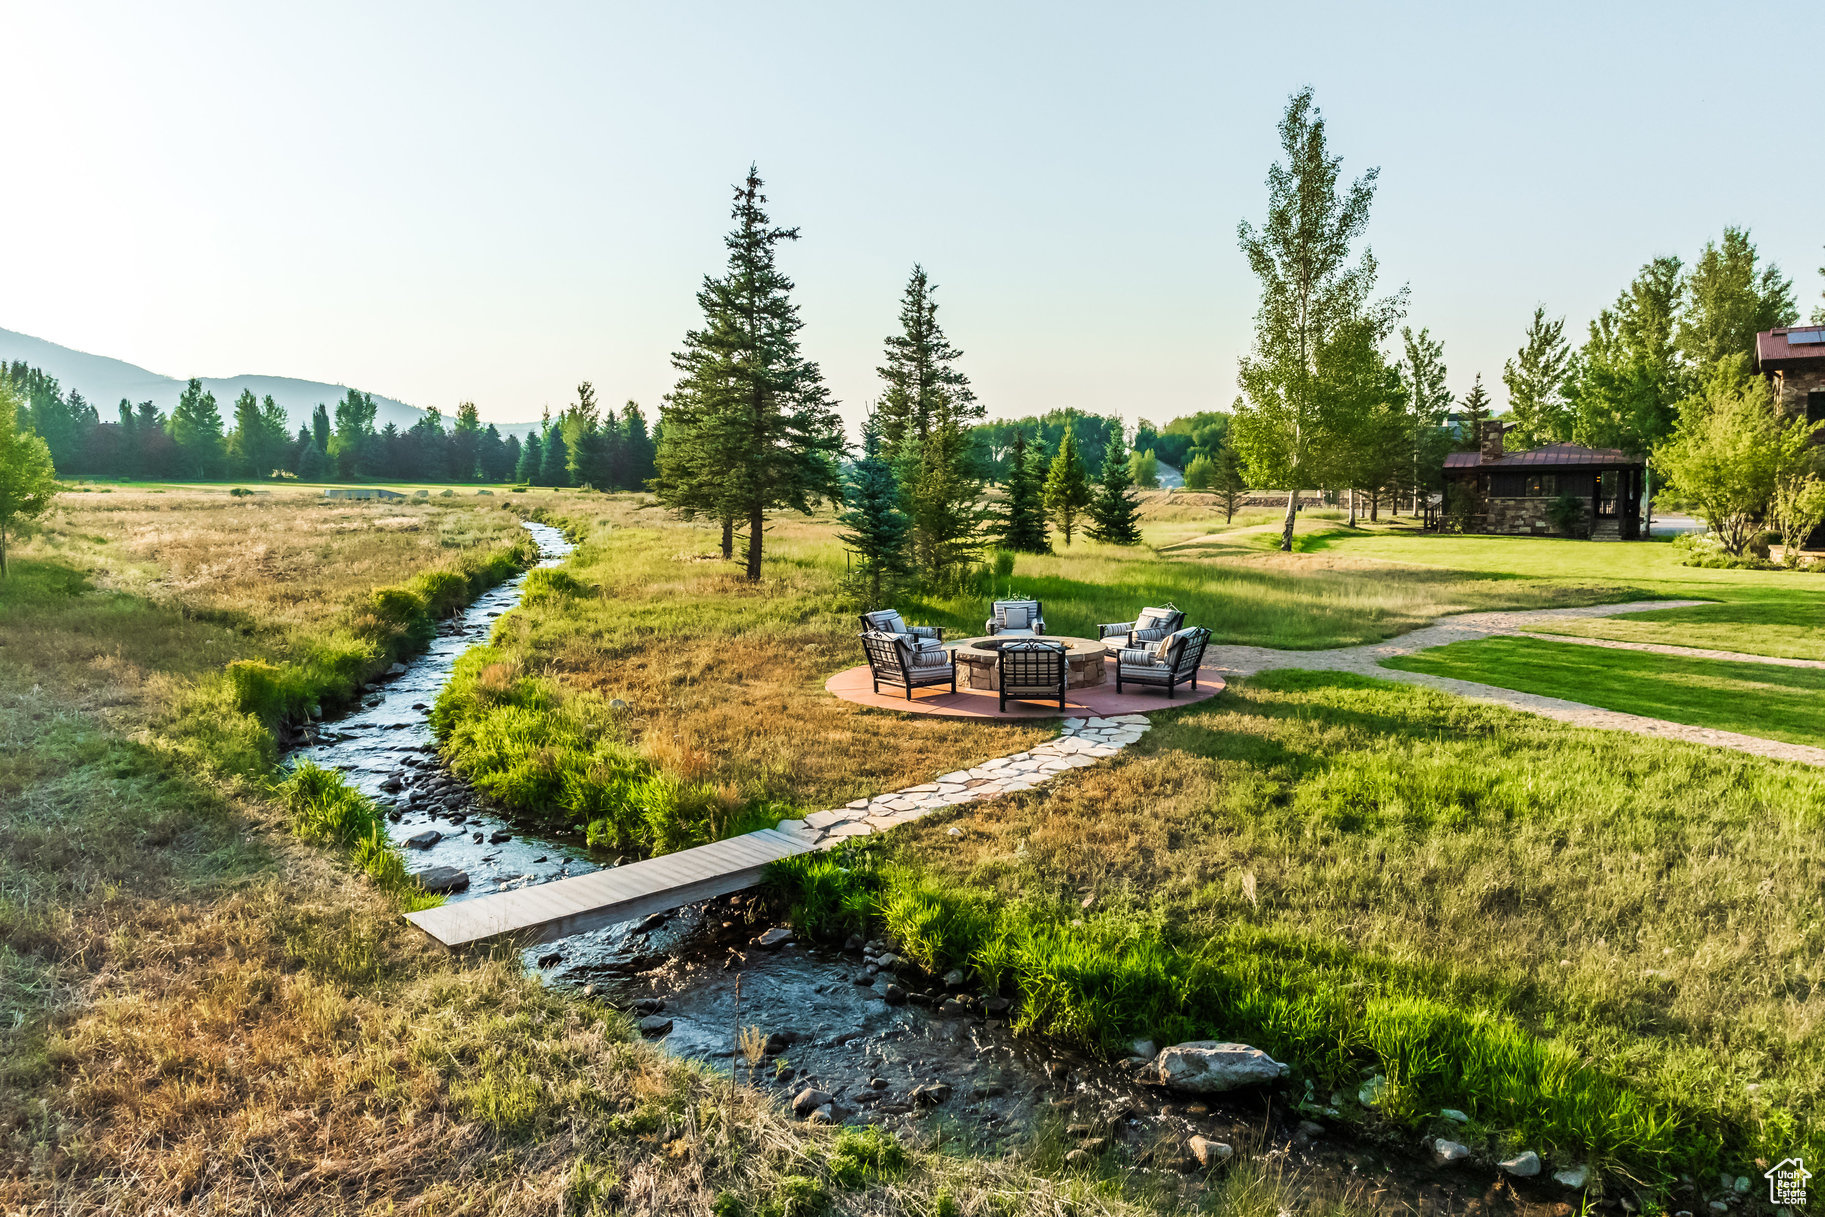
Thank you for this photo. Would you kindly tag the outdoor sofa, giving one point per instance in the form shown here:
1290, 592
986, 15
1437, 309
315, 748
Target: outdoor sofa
1016, 619
1167, 664
894, 659
1152, 625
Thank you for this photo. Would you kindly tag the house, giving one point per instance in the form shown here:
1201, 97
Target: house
1510, 492
1793, 360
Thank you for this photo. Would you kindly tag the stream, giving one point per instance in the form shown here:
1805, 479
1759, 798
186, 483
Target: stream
934, 1066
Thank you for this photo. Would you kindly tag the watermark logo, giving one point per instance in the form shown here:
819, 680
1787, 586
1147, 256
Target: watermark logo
1787, 1182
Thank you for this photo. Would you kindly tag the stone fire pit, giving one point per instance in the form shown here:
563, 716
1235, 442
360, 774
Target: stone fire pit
979, 660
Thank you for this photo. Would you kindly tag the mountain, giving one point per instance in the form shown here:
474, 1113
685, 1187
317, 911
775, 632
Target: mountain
104, 381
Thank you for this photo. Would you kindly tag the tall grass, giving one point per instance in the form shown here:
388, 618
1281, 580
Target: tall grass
323, 807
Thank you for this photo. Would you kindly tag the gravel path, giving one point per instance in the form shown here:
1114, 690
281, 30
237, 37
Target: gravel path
1366, 661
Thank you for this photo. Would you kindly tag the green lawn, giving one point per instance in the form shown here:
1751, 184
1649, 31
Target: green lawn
1752, 698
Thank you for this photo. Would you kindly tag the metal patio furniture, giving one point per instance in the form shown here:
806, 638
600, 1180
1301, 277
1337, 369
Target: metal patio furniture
894, 659
1167, 664
1032, 671
1027, 613
1149, 627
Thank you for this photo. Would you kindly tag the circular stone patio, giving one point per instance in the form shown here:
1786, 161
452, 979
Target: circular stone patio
1091, 701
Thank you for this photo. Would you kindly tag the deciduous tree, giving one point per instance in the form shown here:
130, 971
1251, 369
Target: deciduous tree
28, 480
196, 429
1729, 299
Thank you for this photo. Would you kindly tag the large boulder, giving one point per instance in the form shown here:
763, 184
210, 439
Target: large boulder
1211, 1067
442, 879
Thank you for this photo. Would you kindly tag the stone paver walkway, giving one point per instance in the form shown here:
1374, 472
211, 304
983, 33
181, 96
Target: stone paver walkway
1366, 660
1080, 742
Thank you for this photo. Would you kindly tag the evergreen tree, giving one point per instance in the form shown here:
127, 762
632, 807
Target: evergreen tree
1313, 299
554, 462
257, 444
1476, 413
636, 467
511, 455
877, 530
924, 388
1536, 378
1023, 523
320, 427
28, 480
531, 461
355, 434
196, 429
313, 462
942, 496
1115, 508
1067, 489
750, 426
1226, 479
465, 442
492, 463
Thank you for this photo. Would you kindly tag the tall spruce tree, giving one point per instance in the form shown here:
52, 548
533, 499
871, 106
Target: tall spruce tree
465, 442
1023, 518
196, 429
1115, 508
1536, 378
554, 459
924, 387
1476, 413
752, 427
1067, 489
1288, 419
876, 530
1226, 479
532, 455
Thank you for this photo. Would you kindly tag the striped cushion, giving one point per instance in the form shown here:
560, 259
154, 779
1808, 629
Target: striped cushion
1151, 634
1152, 618
925, 658
924, 632
1136, 657
1138, 672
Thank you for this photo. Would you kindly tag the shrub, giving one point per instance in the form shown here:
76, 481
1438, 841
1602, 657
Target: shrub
270, 692
859, 1154
241, 492
1567, 515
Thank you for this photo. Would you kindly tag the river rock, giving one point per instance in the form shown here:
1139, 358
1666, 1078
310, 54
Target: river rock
1449, 1150
931, 1094
442, 879
774, 938
655, 1024
499, 836
648, 923
995, 1007
1574, 1177
1524, 1165
889, 962
809, 1100
551, 959
893, 995
1144, 1048
1211, 1067
853, 943
1209, 1153
649, 1005
398, 669
425, 839
1454, 1115
953, 979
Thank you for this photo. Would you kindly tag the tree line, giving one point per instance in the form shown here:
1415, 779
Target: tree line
587, 446
1326, 404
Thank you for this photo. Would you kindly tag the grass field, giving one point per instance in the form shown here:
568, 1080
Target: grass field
1752, 698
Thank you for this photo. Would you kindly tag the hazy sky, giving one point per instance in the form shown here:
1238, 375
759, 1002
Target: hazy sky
446, 201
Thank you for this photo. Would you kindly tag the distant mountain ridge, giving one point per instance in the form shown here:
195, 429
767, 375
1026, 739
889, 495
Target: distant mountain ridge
104, 381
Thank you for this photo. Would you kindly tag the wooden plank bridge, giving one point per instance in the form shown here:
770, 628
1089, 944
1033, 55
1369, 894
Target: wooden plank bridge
549, 911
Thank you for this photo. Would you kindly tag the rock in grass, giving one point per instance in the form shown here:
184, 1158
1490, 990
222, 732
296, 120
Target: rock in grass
1209, 1153
1454, 1115
774, 938
655, 1024
442, 879
1212, 1067
1079, 1158
425, 839
1524, 1165
1574, 1177
1146, 1048
1449, 1150
953, 979
809, 1100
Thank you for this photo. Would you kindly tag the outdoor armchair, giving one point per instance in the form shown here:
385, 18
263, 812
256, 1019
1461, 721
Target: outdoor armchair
894, 660
1168, 663
1016, 618
1032, 671
1152, 625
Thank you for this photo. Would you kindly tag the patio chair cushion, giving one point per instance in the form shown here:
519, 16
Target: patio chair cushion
1136, 657
888, 621
925, 658
1152, 633
1162, 649
1152, 618
1015, 617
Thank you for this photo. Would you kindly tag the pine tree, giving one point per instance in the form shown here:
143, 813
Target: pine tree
636, 466
1226, 480
313, 463
750, 426
1476, 413
1536, 378
1115, 509
465, 442
531, 457
877, 530
924, 389
1067, 489
554, 461
1023, 521
942, 496
320, 426
196, 429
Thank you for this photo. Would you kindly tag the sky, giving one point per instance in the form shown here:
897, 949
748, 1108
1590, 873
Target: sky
448, 202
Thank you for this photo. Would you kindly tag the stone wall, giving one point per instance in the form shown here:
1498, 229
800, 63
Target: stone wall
1525, 515
1792, 386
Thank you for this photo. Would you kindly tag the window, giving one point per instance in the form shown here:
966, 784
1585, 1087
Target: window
1815, 406
1523, 485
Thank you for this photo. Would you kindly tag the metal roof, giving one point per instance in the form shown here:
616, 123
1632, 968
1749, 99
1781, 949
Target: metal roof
1773, 352
1549, 454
